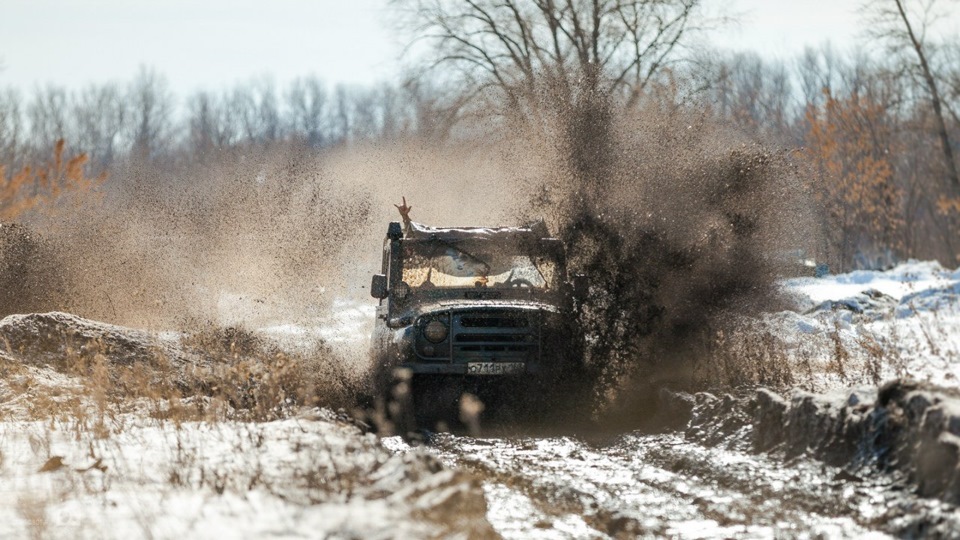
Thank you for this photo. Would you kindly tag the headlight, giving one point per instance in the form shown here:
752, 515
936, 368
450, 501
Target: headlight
435, 331
401, 290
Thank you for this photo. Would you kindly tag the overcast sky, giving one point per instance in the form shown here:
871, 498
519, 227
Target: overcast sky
213, 44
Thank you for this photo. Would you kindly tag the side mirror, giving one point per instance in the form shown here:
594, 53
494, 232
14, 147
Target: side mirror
581, 287
378, 286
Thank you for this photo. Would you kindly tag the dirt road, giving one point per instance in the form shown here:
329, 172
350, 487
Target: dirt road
663, 485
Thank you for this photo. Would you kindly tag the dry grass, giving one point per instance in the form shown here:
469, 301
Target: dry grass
211, 418
764, 352
211, 374
260, 381
751, 355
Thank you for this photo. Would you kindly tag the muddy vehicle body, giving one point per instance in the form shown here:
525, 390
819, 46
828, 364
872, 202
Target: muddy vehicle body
488, 311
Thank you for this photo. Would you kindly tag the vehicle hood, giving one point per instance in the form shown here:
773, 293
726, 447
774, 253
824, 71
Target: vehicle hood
460, 305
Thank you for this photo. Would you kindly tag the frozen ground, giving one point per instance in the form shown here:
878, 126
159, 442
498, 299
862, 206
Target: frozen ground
72, 466
307, 477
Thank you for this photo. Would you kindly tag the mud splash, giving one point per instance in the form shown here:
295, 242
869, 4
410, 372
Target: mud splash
679, 224
30, 275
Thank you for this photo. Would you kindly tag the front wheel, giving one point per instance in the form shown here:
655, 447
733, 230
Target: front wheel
394, 407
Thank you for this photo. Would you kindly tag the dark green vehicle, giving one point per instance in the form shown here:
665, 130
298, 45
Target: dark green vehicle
488, 311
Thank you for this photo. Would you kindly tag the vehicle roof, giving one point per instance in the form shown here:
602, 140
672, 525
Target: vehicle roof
534, 231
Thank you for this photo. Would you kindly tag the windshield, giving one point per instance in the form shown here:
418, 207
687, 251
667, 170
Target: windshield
477, 263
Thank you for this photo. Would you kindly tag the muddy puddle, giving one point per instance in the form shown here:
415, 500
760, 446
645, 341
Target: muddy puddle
661, 485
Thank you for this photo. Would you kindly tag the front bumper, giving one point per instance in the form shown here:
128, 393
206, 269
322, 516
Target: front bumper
466, 369
481, 341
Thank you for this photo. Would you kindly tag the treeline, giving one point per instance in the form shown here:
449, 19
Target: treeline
876, 131
143, 121
868, 129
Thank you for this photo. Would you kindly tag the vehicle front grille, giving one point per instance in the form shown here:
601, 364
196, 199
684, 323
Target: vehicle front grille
492, 337
494, 321
496, 335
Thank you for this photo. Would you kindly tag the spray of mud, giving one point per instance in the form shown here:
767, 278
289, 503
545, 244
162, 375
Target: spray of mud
280, 241
235, 241
270, 240
680, 224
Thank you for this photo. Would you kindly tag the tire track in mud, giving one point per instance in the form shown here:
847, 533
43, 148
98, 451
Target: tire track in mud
663, 485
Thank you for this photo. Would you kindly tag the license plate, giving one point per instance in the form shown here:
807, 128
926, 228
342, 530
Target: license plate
494, 368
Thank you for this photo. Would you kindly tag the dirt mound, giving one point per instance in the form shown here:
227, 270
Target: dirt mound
251, 375
48, 338
903, 426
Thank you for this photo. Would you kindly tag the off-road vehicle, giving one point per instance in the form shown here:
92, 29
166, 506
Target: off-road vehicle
487, 311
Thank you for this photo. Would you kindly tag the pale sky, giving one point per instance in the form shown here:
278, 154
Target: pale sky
213, 44
207, 44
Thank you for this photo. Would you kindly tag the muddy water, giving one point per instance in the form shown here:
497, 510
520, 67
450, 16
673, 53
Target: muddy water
639, 485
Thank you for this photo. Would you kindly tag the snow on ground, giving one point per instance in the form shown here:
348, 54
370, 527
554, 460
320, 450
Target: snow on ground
306, 477
903, 280
80, 458
131, 474
870, 326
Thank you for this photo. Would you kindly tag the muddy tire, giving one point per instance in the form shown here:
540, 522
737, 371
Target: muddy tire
436, 400
393, 402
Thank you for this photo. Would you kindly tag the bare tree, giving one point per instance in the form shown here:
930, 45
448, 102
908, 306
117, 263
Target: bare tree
151, 108
47, 114
308, 114
367, 112
12, 129
905, 29
527, 49
99, 115
949, 69
210, 124
754, 94
342, 119
433, 109
818, 72
258, 111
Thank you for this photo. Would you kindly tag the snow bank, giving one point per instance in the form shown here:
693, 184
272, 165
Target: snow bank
871, 326
904, 426
898, 282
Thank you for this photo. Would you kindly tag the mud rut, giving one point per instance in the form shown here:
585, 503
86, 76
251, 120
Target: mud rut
663, 485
